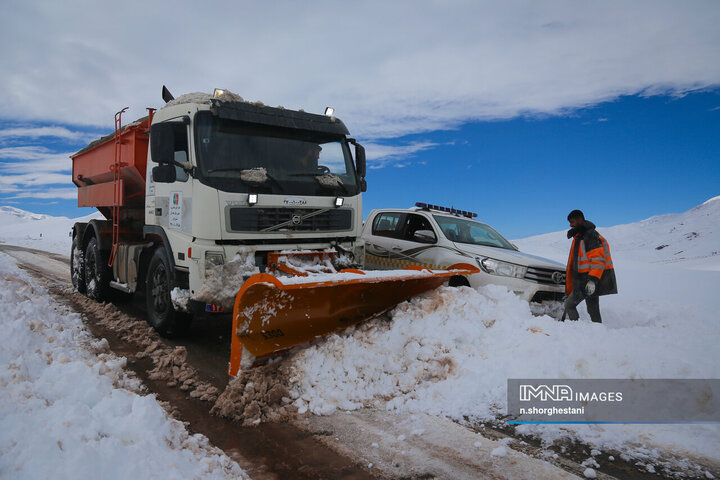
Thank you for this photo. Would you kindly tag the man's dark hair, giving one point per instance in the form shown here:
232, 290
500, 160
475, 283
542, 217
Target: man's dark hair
576, 214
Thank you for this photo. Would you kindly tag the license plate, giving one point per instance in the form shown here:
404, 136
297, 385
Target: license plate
214, 308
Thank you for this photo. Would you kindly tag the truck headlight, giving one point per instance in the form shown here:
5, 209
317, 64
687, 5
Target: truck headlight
213, 259
498, 267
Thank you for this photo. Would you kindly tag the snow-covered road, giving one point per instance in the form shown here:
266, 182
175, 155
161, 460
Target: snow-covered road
69, 408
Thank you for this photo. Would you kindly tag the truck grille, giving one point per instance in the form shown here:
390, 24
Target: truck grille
546, 276
296, 220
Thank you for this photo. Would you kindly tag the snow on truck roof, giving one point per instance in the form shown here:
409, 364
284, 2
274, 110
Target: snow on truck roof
231, 106
234, 107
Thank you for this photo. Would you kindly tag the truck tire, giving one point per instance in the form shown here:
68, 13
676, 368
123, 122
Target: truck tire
97, 272
77, 265
160, 311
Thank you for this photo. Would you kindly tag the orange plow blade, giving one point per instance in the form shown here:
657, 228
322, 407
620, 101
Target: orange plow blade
273, 314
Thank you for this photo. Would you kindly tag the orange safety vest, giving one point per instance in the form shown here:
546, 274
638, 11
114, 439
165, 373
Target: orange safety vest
593, 262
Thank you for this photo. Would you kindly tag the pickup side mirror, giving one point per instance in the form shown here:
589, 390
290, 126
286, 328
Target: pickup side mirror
164, 173
425, 236
162, 144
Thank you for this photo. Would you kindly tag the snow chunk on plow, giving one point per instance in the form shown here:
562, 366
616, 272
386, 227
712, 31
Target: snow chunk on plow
272, 314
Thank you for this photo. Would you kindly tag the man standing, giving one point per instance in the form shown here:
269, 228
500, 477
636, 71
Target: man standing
590, 270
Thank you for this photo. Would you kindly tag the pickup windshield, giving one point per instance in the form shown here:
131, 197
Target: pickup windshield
236, 156
467, 231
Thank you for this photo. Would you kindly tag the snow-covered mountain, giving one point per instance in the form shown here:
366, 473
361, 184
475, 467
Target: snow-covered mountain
34, 230
690, 239
10, 215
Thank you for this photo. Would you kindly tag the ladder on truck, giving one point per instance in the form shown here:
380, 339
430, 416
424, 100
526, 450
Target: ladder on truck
116, 167
116, 187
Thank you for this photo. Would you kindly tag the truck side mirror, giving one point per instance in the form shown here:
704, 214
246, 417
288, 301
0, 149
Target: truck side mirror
164, 173
162, 143
360, 160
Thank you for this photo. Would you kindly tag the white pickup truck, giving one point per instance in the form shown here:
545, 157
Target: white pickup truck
436, 237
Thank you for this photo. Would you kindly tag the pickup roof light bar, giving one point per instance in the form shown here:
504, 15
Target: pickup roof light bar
452, 211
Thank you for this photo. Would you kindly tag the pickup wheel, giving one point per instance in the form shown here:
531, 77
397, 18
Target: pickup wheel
77, 265
459, 281
97, 272
161, 313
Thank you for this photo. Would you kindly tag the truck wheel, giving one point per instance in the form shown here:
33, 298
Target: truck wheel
77, 265
97, 273
161, 314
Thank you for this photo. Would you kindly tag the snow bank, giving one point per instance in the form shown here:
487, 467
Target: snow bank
450, 352
69, 410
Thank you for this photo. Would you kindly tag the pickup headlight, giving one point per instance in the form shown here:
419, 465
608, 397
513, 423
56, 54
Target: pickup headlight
497, 267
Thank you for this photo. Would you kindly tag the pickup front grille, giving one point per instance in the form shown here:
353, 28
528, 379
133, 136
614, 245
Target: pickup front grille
294, 219
546, 276
540, 297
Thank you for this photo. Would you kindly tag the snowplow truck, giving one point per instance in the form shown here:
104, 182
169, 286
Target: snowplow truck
214, 204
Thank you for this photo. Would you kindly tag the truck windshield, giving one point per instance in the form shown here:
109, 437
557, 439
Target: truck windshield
468, 231
240, 157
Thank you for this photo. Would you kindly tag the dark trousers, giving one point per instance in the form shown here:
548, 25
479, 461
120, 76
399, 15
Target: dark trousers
592, 304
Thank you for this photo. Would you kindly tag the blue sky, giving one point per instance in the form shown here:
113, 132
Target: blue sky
619, 162
519, 110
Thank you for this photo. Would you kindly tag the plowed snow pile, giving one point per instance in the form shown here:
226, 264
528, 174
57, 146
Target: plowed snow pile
69, 410
451, 351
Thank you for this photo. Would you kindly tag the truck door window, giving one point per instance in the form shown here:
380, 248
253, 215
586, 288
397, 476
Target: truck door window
181, 150
388, 225
180, 174
413, 223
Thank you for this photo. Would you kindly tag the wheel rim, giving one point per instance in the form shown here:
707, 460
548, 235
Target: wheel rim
75, 265
90, 264
159, 289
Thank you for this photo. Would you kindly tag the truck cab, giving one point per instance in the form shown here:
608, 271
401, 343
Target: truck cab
229, 182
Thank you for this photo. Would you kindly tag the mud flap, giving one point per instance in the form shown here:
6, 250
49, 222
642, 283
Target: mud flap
271, 316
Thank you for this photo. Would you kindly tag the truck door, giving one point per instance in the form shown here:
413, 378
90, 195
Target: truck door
172, 202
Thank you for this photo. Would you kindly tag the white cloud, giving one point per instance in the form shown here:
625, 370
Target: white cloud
28, 167
50, 131
33, 159
379, 155
62, 193
11, 188
388, 68
35, 179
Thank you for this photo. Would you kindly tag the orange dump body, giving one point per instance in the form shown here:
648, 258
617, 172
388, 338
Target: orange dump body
93, 170
270, 316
